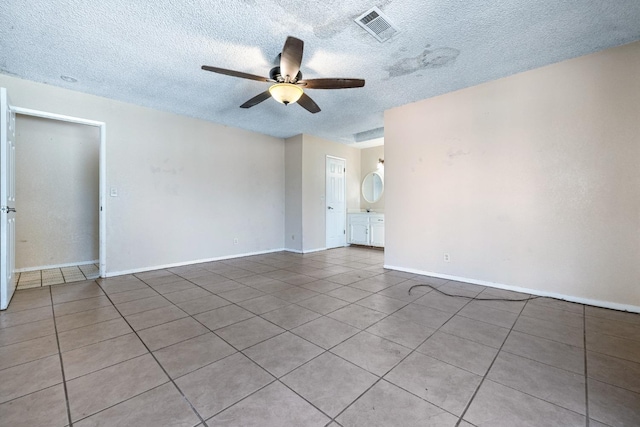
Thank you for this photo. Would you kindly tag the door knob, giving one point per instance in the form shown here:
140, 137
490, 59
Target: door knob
329, 207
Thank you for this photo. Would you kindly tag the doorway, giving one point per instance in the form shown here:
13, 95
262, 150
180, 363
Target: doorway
57, 197
9, 214
336, 215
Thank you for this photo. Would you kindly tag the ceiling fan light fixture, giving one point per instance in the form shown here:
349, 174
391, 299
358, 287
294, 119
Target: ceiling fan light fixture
286, 93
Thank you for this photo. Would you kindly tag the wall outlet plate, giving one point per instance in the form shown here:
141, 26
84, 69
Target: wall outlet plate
447, 257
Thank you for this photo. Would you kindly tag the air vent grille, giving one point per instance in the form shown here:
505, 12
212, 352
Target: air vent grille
377, 25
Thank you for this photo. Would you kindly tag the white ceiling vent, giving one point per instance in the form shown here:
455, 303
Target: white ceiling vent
377, 24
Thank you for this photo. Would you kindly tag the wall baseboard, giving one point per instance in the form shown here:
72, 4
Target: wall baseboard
307, 251
182, 264
47, 267
537, 292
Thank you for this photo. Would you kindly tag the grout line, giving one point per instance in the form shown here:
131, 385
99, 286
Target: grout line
158, 362
586, 376
489, 369
64, 380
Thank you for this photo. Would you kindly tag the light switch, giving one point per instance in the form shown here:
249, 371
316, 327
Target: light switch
113, 192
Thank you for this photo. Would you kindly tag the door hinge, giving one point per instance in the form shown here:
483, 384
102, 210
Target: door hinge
344, 231
7, 209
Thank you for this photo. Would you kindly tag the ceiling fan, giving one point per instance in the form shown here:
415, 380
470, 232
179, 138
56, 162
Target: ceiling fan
288, 84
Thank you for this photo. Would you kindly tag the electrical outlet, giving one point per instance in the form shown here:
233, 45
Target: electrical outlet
235, 241
447, 257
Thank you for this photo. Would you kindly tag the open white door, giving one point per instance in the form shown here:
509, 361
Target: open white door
336, 203
7, 200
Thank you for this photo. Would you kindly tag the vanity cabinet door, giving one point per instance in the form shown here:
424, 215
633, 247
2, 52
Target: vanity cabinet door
359, 233
376, 232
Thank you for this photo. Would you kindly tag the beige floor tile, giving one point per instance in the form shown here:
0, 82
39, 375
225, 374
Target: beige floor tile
382, 303
614, 346
357, 316
187, 295
29, 377
102, 389
223, 383
480, 332
322, 304
86, 318
349, 294
283, 353
400, 331
273, 406
26, 332
241, 294
387, 405
263, 304
27, 351
136, 294
72, 307
611, 370
291, 316
155, 317
422, 315
329, 383
613, 405
9, 319
223, 316
86, 335
552, 353
187, 356
170, 333
500, 406
460, 352
557, 386
47, 407
161, 406
248, 332
437, 382
555, 331
371, 352
100, 355
477, 311
325, 332
203, 304
140, 305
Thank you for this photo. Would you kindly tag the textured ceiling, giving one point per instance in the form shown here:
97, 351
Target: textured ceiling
150, 52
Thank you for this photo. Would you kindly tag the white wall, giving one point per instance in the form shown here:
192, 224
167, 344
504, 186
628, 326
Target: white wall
57, 188
293, 197
369, 163
314, 154
186, 187
529, 181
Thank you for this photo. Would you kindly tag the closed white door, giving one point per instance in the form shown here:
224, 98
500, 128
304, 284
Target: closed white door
335, 202
7, 200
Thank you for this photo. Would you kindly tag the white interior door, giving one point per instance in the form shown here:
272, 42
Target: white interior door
335, 202
7, 200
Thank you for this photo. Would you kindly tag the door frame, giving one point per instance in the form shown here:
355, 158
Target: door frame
102, 216
326, 230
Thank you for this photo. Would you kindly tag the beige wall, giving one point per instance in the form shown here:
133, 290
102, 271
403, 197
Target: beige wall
186, 187
314, 153
369, 163
530, 181
293, 193
57, 187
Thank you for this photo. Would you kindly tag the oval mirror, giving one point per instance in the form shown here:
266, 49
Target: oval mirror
372, 187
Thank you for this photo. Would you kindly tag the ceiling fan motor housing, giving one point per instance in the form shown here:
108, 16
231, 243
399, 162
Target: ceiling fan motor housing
274, 74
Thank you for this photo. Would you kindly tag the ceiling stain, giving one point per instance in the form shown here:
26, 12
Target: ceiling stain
429, 58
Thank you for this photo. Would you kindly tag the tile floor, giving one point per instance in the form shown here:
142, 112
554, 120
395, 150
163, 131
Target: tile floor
325, 339
56, 276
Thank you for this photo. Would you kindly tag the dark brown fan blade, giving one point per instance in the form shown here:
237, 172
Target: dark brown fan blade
308, 104
256, 99
236, 74
331, 83
291, 58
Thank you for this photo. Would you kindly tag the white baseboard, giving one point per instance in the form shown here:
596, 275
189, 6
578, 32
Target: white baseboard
182, 264
47, 267
537, 292
307, 251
